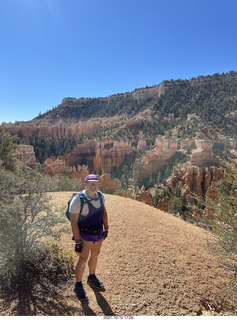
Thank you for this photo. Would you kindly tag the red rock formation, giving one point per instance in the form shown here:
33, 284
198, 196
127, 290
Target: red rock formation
56, 129
201, 155
210, 196
193, 179
79, 172
113, 156
212, 192
58, 167
154, 159
109, 185
195, 213
101, 156
163, 204
47, 126
203, 152
187, 143
54, 166
141, 195
26, 154
83, 154
144, 197
141, 146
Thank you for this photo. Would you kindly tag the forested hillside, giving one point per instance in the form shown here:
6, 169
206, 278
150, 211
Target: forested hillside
211, 98
203, 107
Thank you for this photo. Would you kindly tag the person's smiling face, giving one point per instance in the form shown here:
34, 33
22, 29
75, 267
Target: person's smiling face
91, 188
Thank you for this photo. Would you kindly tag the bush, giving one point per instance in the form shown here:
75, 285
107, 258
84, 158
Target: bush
27, 216
118, 192
7, 148
155, 198
64, 183
175, 205
100, 188
59, 265
47, 267
222, 220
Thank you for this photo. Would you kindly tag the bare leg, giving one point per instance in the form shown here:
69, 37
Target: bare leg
95, 251
81, 264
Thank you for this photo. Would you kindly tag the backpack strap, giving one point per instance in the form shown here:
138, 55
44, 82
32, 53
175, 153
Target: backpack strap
85, 198
80, 194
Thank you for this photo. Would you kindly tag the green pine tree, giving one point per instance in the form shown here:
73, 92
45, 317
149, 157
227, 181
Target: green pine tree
7, 150
222, 221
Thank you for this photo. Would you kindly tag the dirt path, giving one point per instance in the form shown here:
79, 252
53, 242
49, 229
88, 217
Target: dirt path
151, 264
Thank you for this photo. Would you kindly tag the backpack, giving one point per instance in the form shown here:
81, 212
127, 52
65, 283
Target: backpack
83, 199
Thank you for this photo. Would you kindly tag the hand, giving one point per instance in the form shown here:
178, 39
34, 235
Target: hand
78, 248
105, 234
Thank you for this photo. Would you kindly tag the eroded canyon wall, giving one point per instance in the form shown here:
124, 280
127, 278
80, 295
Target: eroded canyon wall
199, 152
101, 157
154, 159
26, 154
194, 179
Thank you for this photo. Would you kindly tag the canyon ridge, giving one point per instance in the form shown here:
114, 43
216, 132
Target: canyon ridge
172, 134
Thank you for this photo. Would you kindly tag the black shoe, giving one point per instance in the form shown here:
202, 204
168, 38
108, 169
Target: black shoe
96, 283
80, 292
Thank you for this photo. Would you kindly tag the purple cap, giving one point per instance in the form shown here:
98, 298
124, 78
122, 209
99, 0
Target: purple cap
91, 177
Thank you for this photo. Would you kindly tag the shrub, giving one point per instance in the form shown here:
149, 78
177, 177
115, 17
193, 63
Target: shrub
222, 220
27, 215
7, 149
155, 198
59, 265
100, 188
118, 192
65, 183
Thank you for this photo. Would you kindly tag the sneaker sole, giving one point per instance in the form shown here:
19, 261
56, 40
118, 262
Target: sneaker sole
95, 287
80, 298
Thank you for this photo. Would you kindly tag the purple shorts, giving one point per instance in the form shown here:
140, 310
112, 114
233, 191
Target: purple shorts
88, 237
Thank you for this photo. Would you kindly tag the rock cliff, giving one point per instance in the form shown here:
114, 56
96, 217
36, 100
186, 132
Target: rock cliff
154, 159
26, 154
193, 179
87, 115
141, 195
58, 167
61, 126
101, 157
57, 129
166, 151
163, 204
108, 184
106, 155
203, 152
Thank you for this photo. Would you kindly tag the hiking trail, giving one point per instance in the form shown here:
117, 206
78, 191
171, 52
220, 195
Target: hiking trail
152, 263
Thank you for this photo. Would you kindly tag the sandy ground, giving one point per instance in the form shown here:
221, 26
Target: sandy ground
152, 263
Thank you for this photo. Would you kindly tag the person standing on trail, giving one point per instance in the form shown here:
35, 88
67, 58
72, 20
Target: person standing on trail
89, 222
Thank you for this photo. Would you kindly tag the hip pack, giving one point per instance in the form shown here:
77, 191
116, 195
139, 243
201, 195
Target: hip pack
92, 230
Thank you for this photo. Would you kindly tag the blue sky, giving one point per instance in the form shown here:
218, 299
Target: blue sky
51, 49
